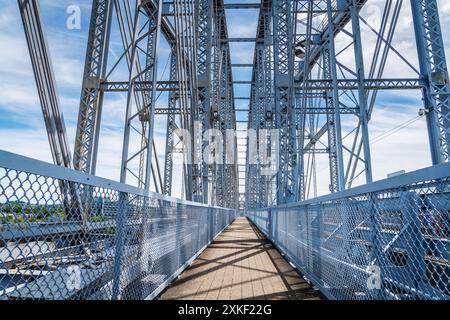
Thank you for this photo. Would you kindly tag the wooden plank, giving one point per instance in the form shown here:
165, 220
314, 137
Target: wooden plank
240, 264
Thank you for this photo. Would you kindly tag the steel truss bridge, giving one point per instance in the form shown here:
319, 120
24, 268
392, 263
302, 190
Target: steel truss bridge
66, 233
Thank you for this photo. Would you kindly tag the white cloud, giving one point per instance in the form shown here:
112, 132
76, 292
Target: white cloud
18, 98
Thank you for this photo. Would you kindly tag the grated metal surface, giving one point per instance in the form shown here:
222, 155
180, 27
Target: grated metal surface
387, 240
61, 238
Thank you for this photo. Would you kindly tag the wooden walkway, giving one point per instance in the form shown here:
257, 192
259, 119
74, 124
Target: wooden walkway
240, 264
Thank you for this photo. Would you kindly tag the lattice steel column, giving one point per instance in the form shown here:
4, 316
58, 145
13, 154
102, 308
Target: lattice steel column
228, 122
433, 68
204, 20
268, 182
223, 186
261, 115
171, 126
217, 106
337, 174
88, 128
284, 95
362, 97
256, 120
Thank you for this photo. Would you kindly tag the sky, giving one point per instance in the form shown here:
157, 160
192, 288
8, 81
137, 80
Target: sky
22, 129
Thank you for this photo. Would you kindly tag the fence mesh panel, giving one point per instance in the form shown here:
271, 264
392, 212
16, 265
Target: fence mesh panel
392, 243
61, 239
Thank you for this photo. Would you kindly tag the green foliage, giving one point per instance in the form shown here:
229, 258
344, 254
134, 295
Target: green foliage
10, 219
18, 213
60, 216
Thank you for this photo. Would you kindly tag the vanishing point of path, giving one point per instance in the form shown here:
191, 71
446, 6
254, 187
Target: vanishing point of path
240, 264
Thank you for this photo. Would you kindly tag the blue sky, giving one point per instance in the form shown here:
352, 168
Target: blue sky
22, 128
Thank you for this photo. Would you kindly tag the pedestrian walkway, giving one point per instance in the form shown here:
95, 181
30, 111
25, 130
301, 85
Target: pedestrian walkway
240, 264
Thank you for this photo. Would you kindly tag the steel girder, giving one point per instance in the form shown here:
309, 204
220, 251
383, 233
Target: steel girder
222, 116
433, 67
312, 85
146, 28
286, 92
49, 100
223, 185
205, 95
361, 98
45, 82
205, 19
91, 102
254, 190
320, 54
171, 126
96, 83
336, 160
326, 89
284, 14
261, 114
186, 48
365, 88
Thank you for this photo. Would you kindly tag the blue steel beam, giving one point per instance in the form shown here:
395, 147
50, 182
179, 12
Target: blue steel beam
433, 67
283, 46
149, 36
337, 177
171, 126
91, 102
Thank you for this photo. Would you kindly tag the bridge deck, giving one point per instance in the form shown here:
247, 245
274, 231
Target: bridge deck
240, 264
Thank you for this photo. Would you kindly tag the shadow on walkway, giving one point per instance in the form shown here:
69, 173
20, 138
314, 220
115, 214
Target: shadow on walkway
240, 264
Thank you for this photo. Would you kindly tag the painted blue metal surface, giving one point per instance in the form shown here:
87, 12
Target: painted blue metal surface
385, 240
118, 242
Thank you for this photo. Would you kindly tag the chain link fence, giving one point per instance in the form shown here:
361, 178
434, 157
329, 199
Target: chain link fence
68, 235
386, 240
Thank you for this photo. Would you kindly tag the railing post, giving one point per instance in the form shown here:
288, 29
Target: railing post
270, 228
209, 223
316, 225
120, 240
177, 235
376, 252
274, 224
199, 223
